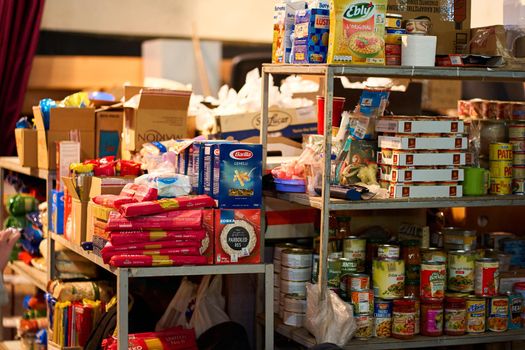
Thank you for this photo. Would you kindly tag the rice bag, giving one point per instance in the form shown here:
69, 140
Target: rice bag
156, 260
170, 221
151, 246
167, 204
141, 193
185, 251
128, 237
112, 200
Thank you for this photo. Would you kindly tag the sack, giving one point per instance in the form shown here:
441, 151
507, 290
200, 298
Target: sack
179, 311
209, 306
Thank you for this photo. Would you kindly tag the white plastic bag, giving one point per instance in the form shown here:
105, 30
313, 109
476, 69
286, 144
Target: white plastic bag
330, 320
179, 311
209, 307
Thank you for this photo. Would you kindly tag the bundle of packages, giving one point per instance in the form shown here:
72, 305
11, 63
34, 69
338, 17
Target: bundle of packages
165, 205
176, 338
131, 193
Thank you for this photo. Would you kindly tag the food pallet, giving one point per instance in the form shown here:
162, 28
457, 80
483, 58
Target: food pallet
326, 204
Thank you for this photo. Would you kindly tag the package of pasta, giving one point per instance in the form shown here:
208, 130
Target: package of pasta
77, 291
156, 260
176, 338
167, 204
185, 251
112, 200
119, 238
169, 221
141, 193
150, 246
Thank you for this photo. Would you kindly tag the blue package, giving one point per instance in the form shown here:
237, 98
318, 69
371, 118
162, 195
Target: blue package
235, 178
184, 161
196, 159
310, 44
109, 143
56, 224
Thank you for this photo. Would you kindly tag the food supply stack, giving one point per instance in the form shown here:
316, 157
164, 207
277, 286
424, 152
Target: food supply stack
500, 165
517, 139
393, 33
421, 156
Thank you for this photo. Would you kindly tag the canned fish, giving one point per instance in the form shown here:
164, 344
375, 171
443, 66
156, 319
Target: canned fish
517, 145
334, 273
355, 248
296, 274
433, 255
460, 271
359, 281
348, 267
515, 308
293, 319
389, 278
295, 303
518, 186
500, 151
363, 301
293, 287
364, 325
486, 277
518, 158
278, 249
518, 171
433, 279
500, 185
476, 313
498, 310
517, 131
388, 251
296, 257
501, 168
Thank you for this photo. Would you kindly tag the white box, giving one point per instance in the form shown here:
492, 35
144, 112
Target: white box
429, 143
417, 126
401, 158
424, 191
400, 175
67, 152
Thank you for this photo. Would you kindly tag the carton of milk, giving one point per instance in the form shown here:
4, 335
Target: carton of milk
233, 174
311, 36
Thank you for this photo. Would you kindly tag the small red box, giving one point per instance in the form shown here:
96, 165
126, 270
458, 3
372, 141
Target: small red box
208, 221
237, 236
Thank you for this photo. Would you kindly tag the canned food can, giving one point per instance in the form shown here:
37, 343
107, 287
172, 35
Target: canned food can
348, 267
476, 313
518, 111
498, 310
518, 186
389, 278
486, 277
278, 249
295, 303
393, 21
500, 168
393, 50
334, 272
382, 318
417, 305
296, 257
276, 279
388, 251
296, 274
518, 158
335, 255
364, 325
393, 60
434, 255
433, 280
518, 171
500, 185
500, 151
355, 249
363, 301
293, 287
460, 271
293, 319
359, 281
515, 309
517, 145
382, 308
517, 131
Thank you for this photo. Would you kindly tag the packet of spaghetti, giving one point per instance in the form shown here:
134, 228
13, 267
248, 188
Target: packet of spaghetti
112, 200
156, 260
167, 204
169, 221
184, 251
129, 237
150, 246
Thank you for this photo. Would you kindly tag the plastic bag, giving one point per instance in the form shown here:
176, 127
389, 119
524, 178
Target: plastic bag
209, 306
180, 309
329, 320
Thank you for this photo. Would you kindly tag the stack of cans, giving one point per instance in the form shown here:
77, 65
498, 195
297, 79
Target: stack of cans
277, 253
517, 139
500, 163
393, 39
296, 270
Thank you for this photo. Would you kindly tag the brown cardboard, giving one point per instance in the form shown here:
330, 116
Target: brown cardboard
26, 147
497, 40
107, 119
450, 24
95, 213
158, 115
80, 200
63, 121
68, 152
108, 185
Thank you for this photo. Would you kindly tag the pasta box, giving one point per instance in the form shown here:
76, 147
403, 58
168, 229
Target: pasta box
424, 191
427, 143
233, 174
237, 236
410, 174
408, 158
196, 163
311, 30
419, 125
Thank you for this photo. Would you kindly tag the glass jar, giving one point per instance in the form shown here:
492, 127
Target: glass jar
343, 226
403, 319
432, 318
455, 316
411, 252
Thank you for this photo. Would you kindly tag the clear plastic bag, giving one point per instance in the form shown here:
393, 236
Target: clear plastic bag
330, 320
209, 307
179, 310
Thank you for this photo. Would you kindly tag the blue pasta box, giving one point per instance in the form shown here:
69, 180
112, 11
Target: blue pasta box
233, 174
311, 30
56, 224
196, 163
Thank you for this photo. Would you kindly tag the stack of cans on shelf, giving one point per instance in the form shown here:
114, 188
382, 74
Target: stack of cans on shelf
500, 164
517, 139
277, 254
393, 39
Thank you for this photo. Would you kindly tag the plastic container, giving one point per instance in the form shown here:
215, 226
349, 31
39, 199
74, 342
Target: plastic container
432, 318
294, 186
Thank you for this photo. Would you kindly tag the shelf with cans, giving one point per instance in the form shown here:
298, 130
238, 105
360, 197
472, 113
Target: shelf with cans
373, 295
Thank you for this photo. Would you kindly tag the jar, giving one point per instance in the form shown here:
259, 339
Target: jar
411, 252
455, 316
432, 318
403, 319
412, 288
343, 223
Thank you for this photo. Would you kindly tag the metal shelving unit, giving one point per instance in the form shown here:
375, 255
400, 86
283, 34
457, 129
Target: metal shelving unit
326, 204
35, 276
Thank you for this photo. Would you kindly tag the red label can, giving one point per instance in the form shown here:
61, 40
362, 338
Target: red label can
486, 277
433, 277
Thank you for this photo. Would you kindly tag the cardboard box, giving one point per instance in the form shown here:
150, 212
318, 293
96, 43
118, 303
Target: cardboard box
424, 191
26, 147
63, 122
498, 40
418, 126
67, 152
109, 123
154, 115
309, 23
96, 214
56, 224
401, 158
395, 174
286, 122
108, 185
79, 204
451, 24
237, 236
423, 143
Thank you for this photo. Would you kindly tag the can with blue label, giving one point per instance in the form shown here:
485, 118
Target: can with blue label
515, 307
382, 318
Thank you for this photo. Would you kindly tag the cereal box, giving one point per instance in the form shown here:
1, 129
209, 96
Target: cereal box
357, 30
310, 43
289, 25
279, 13
237, 236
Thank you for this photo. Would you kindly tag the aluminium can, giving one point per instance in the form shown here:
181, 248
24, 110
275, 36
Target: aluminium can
364, 325
382, 318
348, 267
362, 301
501, 168
296, 257
388, 278
476, 314
486, 276
355, 248
359, 281
500, 151
515, 309
296, 274
388, 251
498, 314
433, 280
500, 185
334, 273
518, 186
460, 271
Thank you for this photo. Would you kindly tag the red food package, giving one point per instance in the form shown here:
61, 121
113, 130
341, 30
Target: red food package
112, 200
176, 338
168, 204
151, 246
155, 260
140, 193
185, 251
129, 237
169, 221
128, 167
105, 169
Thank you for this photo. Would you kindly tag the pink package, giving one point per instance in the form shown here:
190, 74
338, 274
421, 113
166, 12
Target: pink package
151, 246
140, 193
187, 251
112, 201
168, 204
147, 260
119, 238
169, 221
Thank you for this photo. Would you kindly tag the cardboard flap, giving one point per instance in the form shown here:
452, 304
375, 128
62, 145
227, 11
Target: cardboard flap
164, 101
130, 91
38, 118
111, 108
73, 190
72, 118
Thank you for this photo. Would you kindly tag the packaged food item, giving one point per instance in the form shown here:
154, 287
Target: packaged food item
364, 323
156, 260
310, 43
120, 238
432, 318
389, 278
296, 274
169, 221
182, 251
388, 251
334, 273
354, 248
382, 318
164, 205
362, 301
357, 32
434, 255
172, 338
498, 314
456, 238
515, 309
460, 271
476, 314
486, 277
359, 282
348, 267
455, 316
403, 319
433, 280
296, 258
140, 193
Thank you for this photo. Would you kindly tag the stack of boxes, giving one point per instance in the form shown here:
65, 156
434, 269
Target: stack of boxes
393, 33
421, 156
517, 139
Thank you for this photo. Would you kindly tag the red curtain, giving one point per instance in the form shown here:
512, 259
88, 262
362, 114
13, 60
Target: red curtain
19, 29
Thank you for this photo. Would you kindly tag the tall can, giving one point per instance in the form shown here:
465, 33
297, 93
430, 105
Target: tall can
355, 248
382, 318
476, 314
498, 314
362, 301
500, 151
515, 308
460, 271
348, 267
486, 277
389, 278
433, 280
334, 273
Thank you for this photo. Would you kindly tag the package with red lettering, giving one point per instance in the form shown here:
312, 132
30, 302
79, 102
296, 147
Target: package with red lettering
167, 204
184, 251
151, 245
156, 260
119, 238
237, 236
141, 193
128, 168
176, 338
169, 221
112, 200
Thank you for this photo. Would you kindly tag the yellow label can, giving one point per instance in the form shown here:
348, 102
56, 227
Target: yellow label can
500, 151
500, 185
500, 168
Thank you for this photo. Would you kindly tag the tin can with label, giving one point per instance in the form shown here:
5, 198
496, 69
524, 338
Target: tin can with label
518, 186
518, 171
293, 287
296, 274
486, 277
433, 280
382, 318
518, 158
364, 325
434, 255
498, 313
518, 145
293, 319
355, 249
295, 303
315, 268
502, 168
388, 251
500, 151
389, 278
515, 308
517, 130
359, 281
296, 257
363, 301
334, 273
476, 313
500, 185
348, 267
460, 271
393, 21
